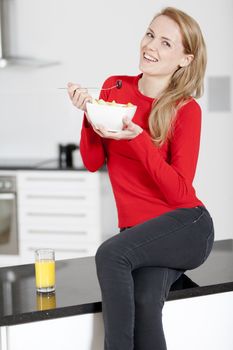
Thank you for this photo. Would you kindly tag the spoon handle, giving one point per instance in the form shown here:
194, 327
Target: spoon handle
118, 85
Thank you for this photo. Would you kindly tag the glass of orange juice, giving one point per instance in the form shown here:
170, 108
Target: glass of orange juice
45, 270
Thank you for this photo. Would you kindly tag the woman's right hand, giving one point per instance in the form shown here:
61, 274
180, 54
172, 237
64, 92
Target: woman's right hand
78, 96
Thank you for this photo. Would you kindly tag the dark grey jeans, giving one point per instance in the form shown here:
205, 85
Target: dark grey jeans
136, 269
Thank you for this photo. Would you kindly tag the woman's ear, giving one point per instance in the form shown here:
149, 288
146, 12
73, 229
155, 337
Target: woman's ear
186, 60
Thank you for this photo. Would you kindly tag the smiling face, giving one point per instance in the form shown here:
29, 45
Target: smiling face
161, 49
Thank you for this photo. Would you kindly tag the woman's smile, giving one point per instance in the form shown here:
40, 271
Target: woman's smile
148, 58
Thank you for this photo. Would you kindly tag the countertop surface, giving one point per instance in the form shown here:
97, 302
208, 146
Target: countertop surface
77, 290
35, 164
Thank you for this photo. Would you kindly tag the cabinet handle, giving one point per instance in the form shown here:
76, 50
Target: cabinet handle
80, 233
7, 196
53, 179
81, 250
81, 215
34, 196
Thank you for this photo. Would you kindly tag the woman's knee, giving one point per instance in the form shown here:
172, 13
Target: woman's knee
109, 252
104, 252
101, 253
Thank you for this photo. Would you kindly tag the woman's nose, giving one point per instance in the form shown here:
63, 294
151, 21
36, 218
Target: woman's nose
153, 44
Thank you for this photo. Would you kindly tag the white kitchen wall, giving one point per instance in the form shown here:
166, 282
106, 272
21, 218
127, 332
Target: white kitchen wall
93, 40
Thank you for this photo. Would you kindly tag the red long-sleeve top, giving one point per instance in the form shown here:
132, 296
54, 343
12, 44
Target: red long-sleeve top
147, 180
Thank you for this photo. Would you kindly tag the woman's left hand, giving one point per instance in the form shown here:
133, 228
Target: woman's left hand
129, 131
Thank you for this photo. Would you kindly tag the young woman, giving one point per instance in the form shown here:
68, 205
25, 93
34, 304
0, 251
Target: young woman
164, 228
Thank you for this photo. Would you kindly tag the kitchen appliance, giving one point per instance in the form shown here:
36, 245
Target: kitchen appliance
6, 8
8, 216
66, 155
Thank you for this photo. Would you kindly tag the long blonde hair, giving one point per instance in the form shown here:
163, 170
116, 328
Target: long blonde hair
185, 82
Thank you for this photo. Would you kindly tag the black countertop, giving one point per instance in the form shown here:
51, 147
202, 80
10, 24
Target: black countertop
39, 164
34, 164
77, 289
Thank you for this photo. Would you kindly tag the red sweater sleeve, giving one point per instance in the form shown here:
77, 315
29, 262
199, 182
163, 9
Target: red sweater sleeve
174, 178
91, 145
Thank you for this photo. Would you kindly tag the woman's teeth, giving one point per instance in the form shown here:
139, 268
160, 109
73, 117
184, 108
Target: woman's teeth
149, 58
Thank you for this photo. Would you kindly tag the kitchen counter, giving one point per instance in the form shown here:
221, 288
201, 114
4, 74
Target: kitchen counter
34, 164
38, 164
78, 293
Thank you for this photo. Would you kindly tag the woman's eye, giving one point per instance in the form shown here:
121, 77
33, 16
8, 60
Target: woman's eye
167, 43
149, 35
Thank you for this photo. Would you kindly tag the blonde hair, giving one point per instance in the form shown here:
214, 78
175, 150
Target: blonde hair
185, 83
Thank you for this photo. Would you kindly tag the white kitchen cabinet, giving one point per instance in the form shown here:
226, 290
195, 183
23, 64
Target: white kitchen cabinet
109, 218
200, 323
82, 332
64, 250
70, 211
195, 323
59, 210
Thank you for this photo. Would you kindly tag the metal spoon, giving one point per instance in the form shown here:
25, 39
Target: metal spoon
118, 86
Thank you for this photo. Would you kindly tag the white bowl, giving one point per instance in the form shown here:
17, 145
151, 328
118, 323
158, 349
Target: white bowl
110, 116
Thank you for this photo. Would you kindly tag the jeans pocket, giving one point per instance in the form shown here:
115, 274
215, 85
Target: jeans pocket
200, 212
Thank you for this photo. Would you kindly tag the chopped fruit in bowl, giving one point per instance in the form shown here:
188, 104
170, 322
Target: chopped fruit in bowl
109, 114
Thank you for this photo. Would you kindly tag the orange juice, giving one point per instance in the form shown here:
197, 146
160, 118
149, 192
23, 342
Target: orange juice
45, 275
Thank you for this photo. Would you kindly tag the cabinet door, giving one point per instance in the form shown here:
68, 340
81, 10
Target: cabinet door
53, 180
63, 250
109, 218
65, 232
84, 332
199, 323
59, 198
60, 209
65, 225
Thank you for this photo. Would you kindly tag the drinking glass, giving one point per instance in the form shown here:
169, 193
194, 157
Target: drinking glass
45, 270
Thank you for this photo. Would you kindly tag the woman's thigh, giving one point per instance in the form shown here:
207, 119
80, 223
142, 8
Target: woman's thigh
180, 239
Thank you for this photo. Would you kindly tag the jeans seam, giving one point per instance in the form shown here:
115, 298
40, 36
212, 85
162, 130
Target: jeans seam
199, 217
207, 245
164, 285
161, 235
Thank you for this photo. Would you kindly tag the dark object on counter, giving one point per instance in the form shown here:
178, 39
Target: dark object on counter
8, 215
66, 155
